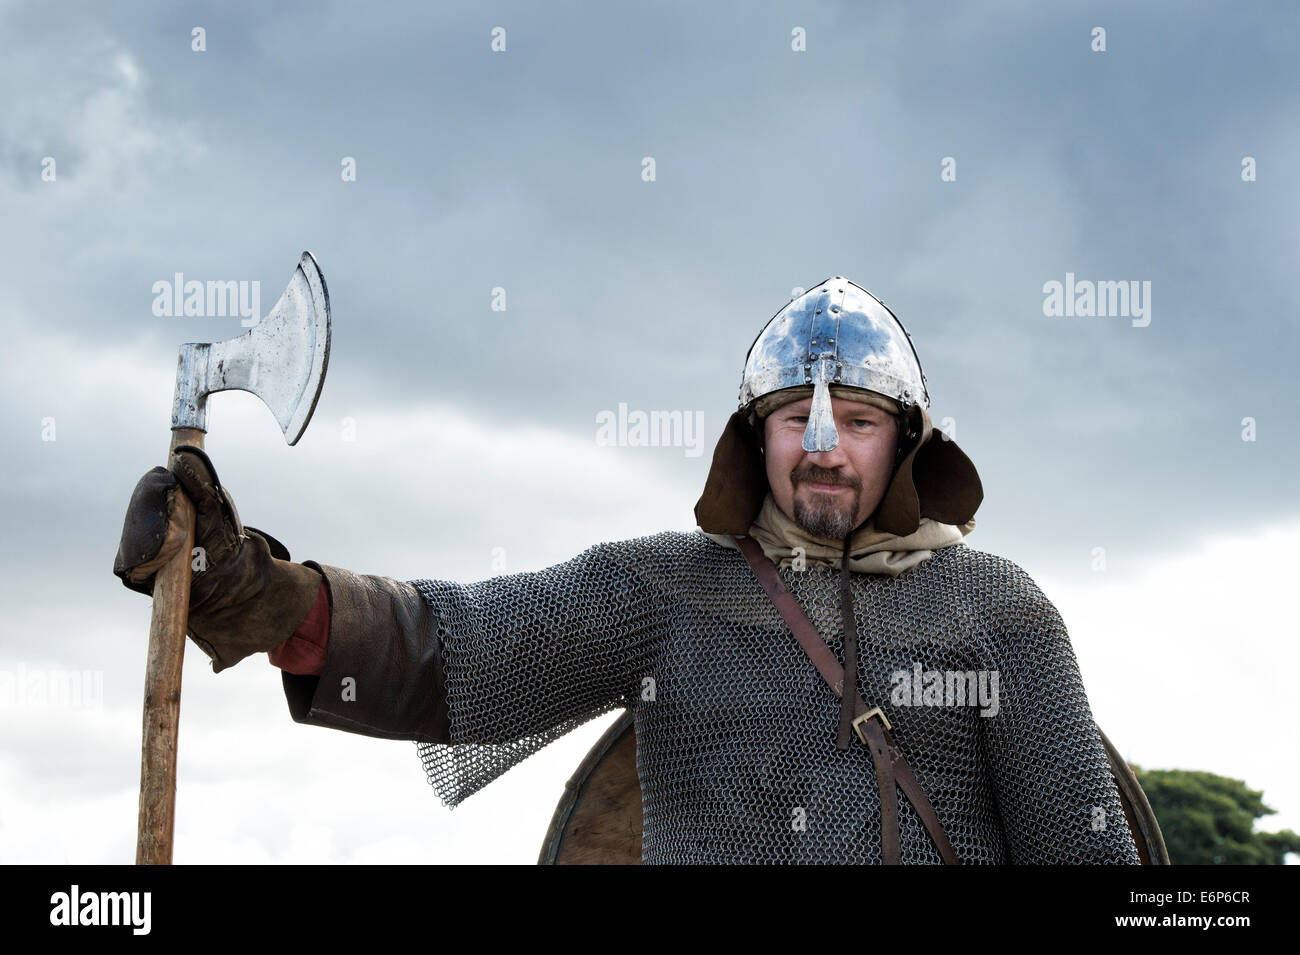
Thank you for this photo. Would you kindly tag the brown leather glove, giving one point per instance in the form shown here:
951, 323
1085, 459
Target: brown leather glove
246, 596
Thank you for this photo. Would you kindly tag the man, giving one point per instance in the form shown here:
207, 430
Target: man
832, 468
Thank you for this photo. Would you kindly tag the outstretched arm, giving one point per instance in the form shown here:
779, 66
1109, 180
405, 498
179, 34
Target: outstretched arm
495, 668
382, 669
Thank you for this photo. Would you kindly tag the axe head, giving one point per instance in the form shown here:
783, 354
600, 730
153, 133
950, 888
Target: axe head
282, 359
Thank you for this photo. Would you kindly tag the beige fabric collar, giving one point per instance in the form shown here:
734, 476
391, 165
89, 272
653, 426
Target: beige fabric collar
870, 552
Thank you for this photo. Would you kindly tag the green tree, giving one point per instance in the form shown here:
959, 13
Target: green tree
1210, 820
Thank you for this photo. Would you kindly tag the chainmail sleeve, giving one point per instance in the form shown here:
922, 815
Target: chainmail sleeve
1051, 778
529, 657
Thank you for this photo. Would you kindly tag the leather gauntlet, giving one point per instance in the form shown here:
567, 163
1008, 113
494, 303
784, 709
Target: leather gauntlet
246, 596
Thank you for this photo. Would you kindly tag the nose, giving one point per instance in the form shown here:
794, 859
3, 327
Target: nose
830, 460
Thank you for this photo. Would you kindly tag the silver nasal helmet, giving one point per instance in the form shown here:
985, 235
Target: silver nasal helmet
837, 333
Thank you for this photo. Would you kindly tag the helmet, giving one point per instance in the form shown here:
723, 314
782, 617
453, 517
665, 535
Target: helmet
836, 333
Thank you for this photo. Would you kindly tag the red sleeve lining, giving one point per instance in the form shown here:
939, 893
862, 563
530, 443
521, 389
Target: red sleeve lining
304, 652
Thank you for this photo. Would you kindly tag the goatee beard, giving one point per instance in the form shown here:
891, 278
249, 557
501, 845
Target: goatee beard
825, 520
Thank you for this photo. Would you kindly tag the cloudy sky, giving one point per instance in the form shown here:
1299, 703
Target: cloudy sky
952, 160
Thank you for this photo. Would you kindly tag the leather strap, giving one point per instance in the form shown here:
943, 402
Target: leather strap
892, 771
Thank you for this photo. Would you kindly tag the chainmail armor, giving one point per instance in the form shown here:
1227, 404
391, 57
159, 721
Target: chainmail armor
736, 729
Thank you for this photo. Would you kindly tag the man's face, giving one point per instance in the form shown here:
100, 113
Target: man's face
829, 493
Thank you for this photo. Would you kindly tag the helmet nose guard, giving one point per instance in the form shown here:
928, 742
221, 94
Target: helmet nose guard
820, 435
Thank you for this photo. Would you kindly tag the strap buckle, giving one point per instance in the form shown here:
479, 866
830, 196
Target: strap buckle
859, 720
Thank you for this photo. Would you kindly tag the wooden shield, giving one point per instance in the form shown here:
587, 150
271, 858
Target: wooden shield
598, 819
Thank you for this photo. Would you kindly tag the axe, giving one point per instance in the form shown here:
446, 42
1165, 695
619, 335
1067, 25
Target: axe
282, 360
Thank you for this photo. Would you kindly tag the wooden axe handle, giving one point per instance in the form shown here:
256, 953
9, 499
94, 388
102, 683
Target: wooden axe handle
162, 685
